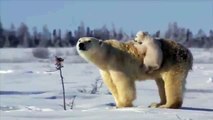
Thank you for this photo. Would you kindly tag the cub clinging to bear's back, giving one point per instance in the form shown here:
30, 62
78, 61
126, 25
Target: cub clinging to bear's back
151, 48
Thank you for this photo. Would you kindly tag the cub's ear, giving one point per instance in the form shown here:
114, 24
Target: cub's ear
146, 33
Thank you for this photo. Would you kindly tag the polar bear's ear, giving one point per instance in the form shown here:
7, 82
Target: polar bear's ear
142, 34
146, 33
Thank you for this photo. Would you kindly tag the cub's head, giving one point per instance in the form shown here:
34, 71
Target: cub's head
89, 48
141, 37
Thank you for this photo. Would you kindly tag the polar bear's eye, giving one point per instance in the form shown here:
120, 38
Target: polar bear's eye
100, 42
89, 41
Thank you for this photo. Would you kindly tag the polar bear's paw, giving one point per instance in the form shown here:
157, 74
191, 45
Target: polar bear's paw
155, 105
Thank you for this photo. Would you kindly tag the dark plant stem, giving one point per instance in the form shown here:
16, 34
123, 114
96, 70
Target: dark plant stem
62, 82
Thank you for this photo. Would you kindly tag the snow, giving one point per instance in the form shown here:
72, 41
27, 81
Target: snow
5, 71
31, 90
210, 80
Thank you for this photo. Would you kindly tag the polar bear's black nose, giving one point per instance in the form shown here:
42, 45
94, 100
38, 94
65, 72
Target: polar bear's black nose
82, 46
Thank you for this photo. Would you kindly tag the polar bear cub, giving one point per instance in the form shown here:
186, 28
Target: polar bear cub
151, 48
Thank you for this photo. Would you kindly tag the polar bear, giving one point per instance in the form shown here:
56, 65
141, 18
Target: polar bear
120, 66
151, 49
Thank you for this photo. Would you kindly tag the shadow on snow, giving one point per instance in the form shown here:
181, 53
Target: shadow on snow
197, 109
20, 93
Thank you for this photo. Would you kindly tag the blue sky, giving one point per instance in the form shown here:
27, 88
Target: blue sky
130, 15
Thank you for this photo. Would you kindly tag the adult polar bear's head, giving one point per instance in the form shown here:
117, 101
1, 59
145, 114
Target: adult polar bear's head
109, 53
92, 50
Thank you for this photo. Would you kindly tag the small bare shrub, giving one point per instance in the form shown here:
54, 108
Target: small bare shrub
42, 53
95, 87
72, 102
82, 90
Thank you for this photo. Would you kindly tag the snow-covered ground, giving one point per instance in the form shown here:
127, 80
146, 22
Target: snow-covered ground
29, 91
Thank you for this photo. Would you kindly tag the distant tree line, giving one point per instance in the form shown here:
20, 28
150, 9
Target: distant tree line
21, 37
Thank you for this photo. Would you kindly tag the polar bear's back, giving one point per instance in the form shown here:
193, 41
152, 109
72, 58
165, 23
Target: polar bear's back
175, 53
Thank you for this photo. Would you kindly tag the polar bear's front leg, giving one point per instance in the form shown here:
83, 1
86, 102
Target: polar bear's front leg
109, 83
125, 88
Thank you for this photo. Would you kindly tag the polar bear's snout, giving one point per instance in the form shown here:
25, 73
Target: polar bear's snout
82, 46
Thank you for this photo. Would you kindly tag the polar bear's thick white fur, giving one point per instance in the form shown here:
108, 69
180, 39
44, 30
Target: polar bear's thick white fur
120, 66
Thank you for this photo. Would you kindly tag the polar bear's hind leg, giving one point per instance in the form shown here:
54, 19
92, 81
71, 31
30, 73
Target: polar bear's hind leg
174, 82
162, 94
